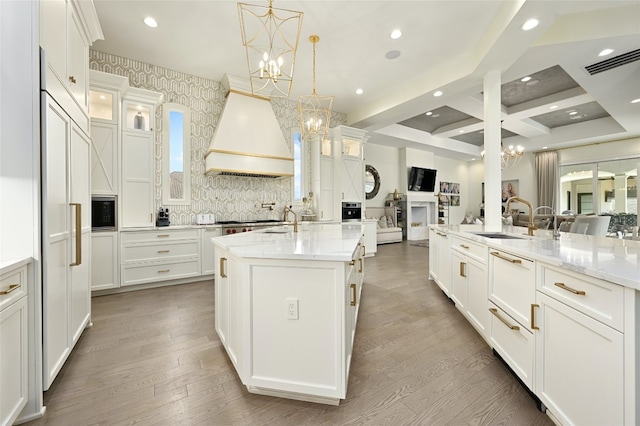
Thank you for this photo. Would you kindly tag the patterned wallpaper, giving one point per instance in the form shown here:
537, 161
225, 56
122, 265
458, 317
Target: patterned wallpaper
228, 197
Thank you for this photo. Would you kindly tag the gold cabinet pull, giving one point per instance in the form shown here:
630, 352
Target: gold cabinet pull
503, 257
78, 208
163, 235
533, 316
569, 289
72, 79
360, 268
163, 271
462, 268
163, 251
12, 287
223, 273
353, 294
364, 250
494, 311
353, 262
464, 246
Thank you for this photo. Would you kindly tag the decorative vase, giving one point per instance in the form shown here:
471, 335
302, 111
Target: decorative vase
138, 121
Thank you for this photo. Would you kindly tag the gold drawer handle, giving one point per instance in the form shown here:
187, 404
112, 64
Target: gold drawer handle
163, 251
360, 260
353, 262
12, 287
464, 246
508, 259
569, 289
533, 316
462, 267
364, 250
163, 270
353, 294
223, 273
72, 79
163, 235
78, 259
494, 311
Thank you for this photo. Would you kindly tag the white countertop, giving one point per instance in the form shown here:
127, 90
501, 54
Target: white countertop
610, 259
334, 242
11, 264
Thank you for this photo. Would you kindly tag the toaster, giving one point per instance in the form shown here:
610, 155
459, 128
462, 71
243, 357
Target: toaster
205, 219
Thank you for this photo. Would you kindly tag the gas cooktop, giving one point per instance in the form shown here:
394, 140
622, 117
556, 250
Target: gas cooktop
236, 222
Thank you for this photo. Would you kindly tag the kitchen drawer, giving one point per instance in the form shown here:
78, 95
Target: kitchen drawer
512, 284
515, 344
15, 284
159, 251
472, 249
138, 274
159, 235
598, 299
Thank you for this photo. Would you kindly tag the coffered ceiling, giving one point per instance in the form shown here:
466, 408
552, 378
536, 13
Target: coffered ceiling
446, 46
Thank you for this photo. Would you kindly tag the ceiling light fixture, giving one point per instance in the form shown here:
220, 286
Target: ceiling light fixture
573, 112
525, 79
509, 156
437, 93
270, 37
606, 52
428, 113
314, 111
396, 34
530, 24
359, 91
553, 107
635, 101
150, 22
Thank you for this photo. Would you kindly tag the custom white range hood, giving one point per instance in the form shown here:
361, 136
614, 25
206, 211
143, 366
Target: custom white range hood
248, 140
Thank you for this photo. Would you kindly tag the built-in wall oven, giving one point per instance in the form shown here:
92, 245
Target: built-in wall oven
351, 212
104, 212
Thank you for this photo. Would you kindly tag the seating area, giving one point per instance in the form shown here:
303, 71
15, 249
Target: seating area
387, 229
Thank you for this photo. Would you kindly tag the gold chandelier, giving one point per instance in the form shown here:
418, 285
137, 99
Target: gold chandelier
314, 110
270, 37
509, 156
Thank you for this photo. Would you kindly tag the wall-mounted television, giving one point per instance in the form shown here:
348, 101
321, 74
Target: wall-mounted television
422, 179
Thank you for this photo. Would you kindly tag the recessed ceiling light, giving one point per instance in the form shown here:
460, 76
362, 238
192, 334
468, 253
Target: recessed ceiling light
428, 113
573, 112
530, 24
103, 97
392, 54
435, 116
532, 82
437, 93
150, 22
396, 34
553, 107
525, 79
635, 101
359, 91
544, 147
606, 52
460, 131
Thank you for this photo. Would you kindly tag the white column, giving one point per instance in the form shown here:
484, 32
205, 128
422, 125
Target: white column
620, 188
315, 145
492, 137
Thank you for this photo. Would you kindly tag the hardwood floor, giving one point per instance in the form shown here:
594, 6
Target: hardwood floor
152, 357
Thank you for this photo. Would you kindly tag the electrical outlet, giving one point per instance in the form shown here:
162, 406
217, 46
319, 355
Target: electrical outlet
292, 308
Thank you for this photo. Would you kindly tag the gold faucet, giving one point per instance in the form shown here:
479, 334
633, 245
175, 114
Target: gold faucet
530, 226
295, 217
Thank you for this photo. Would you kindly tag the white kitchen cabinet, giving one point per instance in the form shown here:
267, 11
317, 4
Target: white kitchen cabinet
351, 177
459, 280
208, 249
159, 255
104, 158
67, 29
66, 230
104, 261
14, 344
472, 268
580, 348
440, 260
138, 160
228, 306
370, 237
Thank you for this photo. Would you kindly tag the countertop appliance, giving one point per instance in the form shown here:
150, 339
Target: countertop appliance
103, 213
205, 219
234, 226
351, 212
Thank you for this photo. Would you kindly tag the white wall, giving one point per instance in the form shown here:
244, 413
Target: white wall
615, 150
385, 160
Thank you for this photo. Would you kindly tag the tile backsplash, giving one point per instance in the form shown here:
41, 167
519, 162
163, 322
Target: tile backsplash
228, 197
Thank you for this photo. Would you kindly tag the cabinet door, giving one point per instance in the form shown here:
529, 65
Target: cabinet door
13, 360
104, 158
208, 250
53, 35
80, 194
351, 302
512, 284
477, 310
104, 260
459, 273
77, 62
137, 179
351, 180
227, 301
445, 273
433, 255
579, 365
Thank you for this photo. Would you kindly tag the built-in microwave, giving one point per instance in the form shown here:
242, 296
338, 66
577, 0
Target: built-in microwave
104, 213
351, 212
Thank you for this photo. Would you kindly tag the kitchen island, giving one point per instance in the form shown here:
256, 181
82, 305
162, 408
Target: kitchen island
564, 315
286, 307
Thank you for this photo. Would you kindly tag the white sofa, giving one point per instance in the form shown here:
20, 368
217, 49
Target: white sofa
389, 234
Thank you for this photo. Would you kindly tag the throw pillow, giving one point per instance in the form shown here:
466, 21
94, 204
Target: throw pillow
382, 222
389, 222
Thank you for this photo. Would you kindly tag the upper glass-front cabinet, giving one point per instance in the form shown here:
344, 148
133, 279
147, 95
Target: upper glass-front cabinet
137, 116
325, 148
103, 104
351, 148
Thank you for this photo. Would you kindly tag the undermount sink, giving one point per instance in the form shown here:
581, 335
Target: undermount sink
498, 235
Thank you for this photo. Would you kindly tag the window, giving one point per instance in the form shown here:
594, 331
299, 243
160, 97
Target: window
176, 183
298, 168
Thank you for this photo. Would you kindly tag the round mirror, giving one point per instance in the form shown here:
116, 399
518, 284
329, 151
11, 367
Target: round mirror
371, 181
